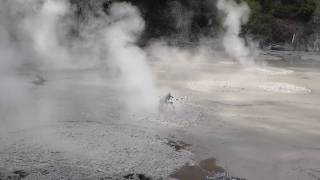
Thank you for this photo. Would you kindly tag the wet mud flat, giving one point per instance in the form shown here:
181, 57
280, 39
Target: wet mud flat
204, 170
258, 124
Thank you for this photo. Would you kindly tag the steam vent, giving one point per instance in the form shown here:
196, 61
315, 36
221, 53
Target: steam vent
160, 89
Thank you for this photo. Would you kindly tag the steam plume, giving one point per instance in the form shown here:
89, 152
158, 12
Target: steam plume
236, 15
42, 26
121, 35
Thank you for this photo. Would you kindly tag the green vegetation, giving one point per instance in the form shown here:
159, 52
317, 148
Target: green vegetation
292, 9
275, 20
264, 12
265, 16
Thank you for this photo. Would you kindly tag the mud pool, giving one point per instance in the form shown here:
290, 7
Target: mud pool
258, 123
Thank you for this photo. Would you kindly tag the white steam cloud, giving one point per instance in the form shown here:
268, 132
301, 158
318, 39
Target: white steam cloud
39, 32
19, 107
121, 35
236, 15
35, 36
43, 30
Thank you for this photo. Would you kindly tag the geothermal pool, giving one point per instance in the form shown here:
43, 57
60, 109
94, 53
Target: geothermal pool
258, 123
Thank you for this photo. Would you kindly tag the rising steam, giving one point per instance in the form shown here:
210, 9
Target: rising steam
121, 35
38, 32
236, 15
46, 35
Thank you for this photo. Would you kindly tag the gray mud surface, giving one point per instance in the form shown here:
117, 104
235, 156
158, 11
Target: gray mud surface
257, 123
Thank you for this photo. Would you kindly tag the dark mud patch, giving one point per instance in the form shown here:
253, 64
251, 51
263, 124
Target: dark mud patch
15, 175
136, 177
21, 173
205, 170
201, 171
210, 165
39, 81
177, 145
314, 174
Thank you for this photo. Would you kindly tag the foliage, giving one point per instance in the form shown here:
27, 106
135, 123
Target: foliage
161, 17
260, 19
264, 12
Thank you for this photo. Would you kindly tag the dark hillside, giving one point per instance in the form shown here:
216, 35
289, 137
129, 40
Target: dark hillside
272, 21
